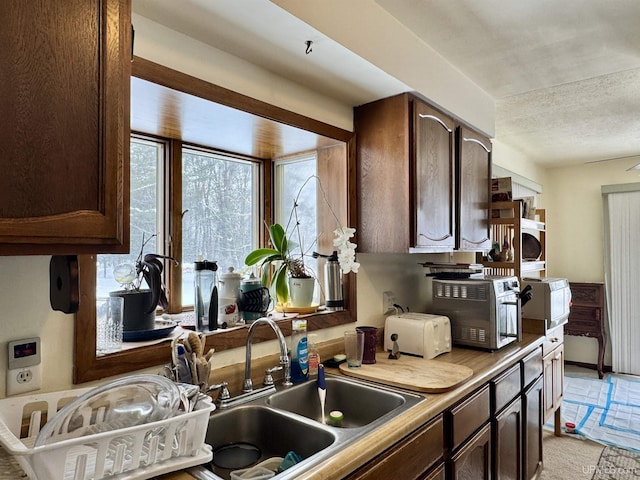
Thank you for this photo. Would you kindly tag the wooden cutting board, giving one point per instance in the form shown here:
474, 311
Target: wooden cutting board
412, 373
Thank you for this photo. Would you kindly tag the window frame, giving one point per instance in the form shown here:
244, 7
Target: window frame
88, 366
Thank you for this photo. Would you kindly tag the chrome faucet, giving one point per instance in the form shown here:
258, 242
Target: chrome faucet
284, 357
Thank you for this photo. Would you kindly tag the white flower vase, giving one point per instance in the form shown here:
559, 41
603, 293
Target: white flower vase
301, 292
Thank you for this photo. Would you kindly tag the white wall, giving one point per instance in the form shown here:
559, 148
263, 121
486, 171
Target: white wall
574, 223
383, 41
26, 312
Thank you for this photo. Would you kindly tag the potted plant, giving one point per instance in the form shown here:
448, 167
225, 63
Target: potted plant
289, 272
285, 264
140, 304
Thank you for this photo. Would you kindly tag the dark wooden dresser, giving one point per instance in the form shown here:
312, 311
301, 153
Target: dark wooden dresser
586, 317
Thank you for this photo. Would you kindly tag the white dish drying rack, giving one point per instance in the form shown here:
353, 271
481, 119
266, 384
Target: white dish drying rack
138, 452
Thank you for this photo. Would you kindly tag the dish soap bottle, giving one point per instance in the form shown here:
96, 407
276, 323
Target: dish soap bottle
314, 355
299, 351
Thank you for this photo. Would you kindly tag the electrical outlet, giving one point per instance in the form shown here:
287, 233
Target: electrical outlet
23, 372
388, 300
23, 380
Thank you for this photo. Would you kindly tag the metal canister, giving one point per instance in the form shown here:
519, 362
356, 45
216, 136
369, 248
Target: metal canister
333, 283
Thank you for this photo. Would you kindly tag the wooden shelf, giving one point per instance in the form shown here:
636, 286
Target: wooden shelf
512, 227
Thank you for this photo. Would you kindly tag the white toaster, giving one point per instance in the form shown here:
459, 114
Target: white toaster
421, 334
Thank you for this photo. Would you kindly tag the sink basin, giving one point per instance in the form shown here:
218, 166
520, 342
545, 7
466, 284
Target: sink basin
274, 424
361, 404
249, 434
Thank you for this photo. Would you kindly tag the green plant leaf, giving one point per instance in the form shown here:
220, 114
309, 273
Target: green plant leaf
280, 280
261, 255
278, 238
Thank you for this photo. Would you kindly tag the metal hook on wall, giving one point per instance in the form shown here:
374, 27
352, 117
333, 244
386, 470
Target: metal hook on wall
309, 49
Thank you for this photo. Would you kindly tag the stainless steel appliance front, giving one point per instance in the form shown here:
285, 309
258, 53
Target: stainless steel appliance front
484, 312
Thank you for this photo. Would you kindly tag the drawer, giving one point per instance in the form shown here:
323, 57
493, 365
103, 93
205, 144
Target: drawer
531, 367
469, 416
505, 387
555, 337
410, 458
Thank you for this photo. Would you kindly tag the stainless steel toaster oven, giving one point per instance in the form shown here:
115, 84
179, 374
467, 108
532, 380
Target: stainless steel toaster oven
484, 312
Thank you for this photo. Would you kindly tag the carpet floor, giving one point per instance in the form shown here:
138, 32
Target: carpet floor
569, 457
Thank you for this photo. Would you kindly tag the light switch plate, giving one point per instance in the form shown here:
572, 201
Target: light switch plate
23, 372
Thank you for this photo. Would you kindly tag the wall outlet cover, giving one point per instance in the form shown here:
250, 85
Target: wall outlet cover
23, 380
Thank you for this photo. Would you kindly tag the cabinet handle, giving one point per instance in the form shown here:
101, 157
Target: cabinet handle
433, 117
553, 340
476, 141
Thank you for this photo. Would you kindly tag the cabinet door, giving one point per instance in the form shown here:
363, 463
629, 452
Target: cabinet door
532, 434
553, 373
558, 375
473, 191
64, 130
508, 442
473, 460
434, 143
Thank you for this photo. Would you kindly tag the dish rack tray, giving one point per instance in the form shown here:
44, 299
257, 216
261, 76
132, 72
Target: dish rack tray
138, 452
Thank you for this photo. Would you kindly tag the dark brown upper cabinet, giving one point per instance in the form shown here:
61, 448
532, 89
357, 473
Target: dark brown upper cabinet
419, 190
473, 191
64, 129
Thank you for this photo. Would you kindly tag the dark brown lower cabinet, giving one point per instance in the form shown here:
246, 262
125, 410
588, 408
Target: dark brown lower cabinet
508, 441
494, 432
532, 435
473, 460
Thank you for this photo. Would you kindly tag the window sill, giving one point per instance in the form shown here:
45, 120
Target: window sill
156, 354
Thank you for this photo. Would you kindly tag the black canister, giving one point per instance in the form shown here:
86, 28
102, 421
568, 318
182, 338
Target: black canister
206, 295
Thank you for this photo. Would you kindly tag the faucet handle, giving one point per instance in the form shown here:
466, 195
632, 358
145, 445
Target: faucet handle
223, 393
268, 378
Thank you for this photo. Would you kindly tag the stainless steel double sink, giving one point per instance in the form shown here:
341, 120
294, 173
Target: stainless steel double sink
291, 420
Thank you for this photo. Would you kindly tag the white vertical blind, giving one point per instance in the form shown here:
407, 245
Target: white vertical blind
622, 276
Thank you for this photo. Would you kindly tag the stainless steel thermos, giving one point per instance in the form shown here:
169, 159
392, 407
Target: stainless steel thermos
334, 299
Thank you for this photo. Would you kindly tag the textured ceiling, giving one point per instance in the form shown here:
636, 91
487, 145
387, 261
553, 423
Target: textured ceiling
565, 74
